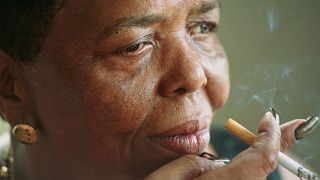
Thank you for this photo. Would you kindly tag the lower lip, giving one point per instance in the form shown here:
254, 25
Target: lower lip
193, 143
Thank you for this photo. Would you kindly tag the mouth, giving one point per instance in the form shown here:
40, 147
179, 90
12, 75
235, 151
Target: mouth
191, 137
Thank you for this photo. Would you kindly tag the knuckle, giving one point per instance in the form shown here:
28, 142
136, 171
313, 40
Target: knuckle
201, 164
285, 143
275, 135
193, 160
269, 139
269, 161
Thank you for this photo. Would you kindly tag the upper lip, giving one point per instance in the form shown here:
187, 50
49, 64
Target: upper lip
189, 127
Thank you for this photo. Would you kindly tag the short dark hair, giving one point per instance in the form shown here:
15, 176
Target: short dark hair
24, 25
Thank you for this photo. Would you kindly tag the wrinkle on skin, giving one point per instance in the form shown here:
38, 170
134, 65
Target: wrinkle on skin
109, 108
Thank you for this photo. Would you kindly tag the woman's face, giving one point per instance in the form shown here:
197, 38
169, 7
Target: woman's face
126, 86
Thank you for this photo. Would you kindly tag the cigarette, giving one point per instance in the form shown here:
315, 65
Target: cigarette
285, 161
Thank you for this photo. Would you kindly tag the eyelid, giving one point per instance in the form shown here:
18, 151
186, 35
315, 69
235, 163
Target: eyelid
147, 38
197, 23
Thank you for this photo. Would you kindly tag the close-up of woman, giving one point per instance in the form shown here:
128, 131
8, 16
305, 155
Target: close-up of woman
126, 89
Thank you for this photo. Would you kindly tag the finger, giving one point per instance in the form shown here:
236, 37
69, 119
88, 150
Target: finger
266, 147
267, 143
186, 167
257, 161
269, 132
288, 133
268, 123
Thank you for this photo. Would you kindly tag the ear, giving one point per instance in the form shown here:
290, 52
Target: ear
14, 99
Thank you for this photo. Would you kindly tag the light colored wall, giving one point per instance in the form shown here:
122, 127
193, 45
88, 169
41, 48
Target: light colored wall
274, 52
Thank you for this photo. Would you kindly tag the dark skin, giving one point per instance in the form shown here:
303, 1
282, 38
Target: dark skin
110, 75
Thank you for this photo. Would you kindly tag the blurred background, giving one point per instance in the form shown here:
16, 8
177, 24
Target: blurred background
274, 52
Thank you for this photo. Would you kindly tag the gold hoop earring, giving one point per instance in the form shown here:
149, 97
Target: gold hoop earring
25, 133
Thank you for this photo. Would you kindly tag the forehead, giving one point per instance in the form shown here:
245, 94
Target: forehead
118, 8
88, 18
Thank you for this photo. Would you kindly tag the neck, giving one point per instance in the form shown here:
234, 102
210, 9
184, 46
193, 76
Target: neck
35, 162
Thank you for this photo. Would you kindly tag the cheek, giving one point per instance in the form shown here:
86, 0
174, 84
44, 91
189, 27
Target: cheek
93, 112
119, 107
218, 85
117, 103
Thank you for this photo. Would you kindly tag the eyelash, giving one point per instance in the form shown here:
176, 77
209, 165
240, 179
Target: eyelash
212, 27
135, 47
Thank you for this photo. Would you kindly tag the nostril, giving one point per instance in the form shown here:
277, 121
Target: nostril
181, 91
190, 87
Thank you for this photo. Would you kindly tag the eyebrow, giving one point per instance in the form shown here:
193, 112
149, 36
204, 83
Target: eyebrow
205, 7
140, 21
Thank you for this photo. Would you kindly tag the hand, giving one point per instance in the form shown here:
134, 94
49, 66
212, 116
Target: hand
185, 167
256, 162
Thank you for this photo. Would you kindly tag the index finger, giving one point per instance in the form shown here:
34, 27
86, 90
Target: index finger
185, 167
288, 133
267, 143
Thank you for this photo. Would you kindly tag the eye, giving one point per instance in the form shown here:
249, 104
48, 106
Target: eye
134, 48
202, 28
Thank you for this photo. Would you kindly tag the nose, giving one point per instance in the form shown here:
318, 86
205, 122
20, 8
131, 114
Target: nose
185, 73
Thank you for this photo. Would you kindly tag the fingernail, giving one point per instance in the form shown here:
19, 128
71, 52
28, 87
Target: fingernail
274, 114
307, 128
207, 155
214, 158
273, 111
